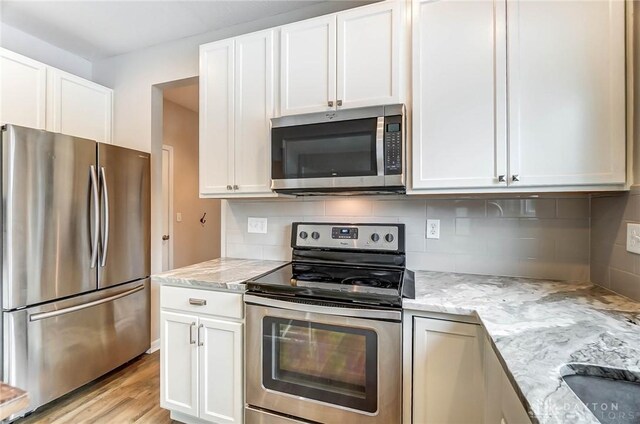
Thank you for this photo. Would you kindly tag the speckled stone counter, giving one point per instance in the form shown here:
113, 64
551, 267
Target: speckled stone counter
12, 400
218, 274
539, 326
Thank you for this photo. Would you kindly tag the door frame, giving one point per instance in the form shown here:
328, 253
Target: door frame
169, 150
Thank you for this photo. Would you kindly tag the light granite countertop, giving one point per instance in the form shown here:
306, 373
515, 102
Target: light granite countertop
537, 327
218, 274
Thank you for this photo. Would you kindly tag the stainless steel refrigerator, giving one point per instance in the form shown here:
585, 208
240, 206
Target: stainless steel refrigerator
75, 260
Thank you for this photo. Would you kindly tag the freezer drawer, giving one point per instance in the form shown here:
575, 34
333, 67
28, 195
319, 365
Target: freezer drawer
55, 348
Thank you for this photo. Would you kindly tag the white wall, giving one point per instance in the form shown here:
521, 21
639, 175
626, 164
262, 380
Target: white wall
538, 237
27, 45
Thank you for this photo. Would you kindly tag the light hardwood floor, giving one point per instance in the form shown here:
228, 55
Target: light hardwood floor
130, 394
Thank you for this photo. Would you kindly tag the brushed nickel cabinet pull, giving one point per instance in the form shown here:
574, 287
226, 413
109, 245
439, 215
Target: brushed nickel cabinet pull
330, 103
515, 177
192, 340
200, 337
339, 103
197, 302
502, 179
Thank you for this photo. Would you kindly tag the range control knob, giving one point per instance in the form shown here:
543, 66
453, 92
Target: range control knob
315, 235
389, 238
303, 235
375, 237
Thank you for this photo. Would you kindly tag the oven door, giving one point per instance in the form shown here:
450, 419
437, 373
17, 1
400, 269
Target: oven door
324, 363
335, 154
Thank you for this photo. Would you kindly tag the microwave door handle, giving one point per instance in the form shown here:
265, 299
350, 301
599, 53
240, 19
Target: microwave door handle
380, 145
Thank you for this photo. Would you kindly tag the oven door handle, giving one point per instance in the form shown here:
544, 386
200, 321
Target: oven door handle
322, 309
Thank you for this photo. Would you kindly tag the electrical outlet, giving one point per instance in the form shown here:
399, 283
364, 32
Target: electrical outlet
179, 217
633, 238
433, 228
257, 225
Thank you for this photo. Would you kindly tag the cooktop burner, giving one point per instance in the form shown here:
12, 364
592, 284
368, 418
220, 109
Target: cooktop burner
345, 263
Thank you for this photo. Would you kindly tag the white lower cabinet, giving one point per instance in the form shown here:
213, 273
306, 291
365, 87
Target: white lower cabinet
447, 374
456, 378
201, 377
502, 405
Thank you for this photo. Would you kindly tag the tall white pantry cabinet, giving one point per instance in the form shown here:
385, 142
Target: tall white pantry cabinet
36, 95
518, 95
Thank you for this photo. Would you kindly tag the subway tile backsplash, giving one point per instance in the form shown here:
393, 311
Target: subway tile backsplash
538, 238
611, 265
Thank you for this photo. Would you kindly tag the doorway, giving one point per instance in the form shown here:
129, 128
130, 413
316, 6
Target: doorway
190, 225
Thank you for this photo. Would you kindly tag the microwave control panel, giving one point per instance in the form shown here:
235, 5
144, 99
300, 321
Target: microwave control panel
393, 141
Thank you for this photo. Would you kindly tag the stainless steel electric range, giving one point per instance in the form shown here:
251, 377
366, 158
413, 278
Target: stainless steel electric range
324, 331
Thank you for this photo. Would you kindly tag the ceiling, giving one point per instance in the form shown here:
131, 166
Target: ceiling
98, 29
185, 96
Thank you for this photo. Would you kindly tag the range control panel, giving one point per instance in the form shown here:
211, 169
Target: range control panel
387, 237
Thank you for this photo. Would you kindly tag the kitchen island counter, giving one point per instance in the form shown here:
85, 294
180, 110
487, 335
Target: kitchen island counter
538, 326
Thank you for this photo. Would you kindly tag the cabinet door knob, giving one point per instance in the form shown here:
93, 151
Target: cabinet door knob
339, 103
165, 237
235, 187
502, 179
330, 103
229, 187
515, 177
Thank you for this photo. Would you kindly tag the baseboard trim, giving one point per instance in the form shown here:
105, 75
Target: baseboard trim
155, 345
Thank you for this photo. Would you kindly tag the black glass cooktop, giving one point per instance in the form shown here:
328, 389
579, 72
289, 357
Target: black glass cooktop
337, 282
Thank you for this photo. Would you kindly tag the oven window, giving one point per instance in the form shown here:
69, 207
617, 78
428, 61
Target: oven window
328, 150
332, 364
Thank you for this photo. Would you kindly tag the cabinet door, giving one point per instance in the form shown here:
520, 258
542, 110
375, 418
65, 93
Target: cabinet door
78, 107
308, 66
447, 374
216, 117
179, 362
23, 89
459, 94
566, 92
253, 111
221, 378
369, 52
513, 412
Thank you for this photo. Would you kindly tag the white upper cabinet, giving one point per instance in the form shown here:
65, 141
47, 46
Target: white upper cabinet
566, 92
346, 60
308, 66
518, 95
253, 112
459, 100
23, 89
35, 95
369, 55
216, 117
236, 106
79, 107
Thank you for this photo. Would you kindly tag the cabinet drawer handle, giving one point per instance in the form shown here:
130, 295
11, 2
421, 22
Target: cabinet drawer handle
339, 103
192, 340
200, 337
197, 302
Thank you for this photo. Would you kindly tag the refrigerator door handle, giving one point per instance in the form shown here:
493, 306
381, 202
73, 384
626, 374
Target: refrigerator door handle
105, 196
45, 315
96, 216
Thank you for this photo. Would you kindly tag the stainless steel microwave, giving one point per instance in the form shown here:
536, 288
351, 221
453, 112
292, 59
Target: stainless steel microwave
353, 151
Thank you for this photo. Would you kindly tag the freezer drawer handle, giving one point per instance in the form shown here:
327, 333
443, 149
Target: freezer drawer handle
45, 315
197, 302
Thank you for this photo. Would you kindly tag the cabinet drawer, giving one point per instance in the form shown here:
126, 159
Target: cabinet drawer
217, 303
